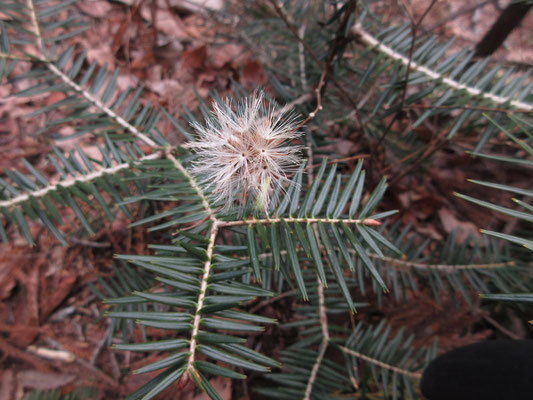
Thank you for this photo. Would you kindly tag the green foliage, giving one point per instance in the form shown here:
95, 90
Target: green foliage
325, 243
524, 139
524, 156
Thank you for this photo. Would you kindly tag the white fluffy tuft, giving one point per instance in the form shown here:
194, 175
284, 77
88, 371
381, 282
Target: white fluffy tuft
243, 150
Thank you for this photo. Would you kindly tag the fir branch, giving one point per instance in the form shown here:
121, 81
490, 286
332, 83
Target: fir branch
77, 88
367, 221
325, 339
17, 58
97, 103
278, 7
440, 267
396, 262
369, 40
36, 27
194, 184
322, 311
80, 179
201, 297
415, 375
325, 66
455, 107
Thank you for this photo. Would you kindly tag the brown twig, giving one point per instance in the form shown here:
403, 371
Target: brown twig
414, 27
271, 300
433, 147
278, 7
501, 328
97, 372
339, 44
338, 160
90, 243
318, 93
410, 374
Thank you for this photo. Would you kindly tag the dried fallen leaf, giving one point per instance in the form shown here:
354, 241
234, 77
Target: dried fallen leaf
34, 379
253, 73
52, 297
164, 87
198, 5
95, 8
165, 22
7, 385
228, 54
463, 228
194, 58
54, 97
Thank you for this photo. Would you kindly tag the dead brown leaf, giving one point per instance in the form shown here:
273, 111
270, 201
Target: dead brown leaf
26, 309
7, 385
254, 74
194, 58
34, 379
228, 54
53, 296
464, 229
95, 8
165, 22
11, 351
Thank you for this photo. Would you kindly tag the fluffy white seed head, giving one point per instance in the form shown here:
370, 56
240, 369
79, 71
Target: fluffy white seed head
243, 150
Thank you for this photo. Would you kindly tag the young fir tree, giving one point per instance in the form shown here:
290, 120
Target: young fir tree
254, 207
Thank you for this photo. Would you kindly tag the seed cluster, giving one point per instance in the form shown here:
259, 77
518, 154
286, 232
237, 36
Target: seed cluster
244, 150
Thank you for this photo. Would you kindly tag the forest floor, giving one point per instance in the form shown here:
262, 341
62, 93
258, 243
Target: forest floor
52, 328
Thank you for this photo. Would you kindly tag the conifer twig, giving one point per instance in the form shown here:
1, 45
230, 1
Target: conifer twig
415, 375
77, 88
36, 26
414, 27
478, 108
367, 221
338, 44
73, 181
194, 184
439, 267
325, 339
16, 57
321, 310
398, 263
106, 110
369, 40
201, 298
